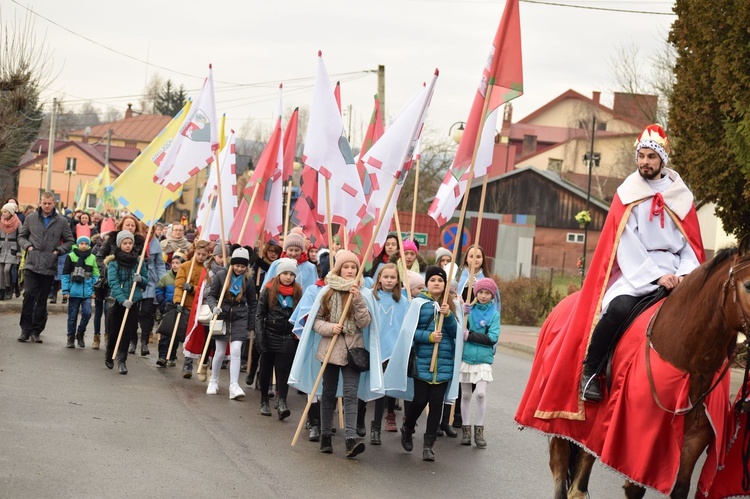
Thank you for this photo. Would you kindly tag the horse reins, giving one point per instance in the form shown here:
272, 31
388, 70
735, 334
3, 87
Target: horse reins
730, 282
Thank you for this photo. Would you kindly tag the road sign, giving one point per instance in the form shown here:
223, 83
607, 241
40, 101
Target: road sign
448, 236
419, 237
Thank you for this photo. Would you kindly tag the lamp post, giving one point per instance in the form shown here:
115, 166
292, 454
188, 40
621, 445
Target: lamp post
591, 159
458, 133
69, 173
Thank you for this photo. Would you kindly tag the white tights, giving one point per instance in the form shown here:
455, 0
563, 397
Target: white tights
235, 349
480, 396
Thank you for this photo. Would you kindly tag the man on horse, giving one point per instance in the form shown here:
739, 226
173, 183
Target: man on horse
655, 246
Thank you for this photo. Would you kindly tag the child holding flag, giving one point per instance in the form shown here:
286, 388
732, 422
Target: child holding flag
78, 278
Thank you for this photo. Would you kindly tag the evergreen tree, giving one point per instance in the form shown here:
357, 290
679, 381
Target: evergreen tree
710, 104
170, 99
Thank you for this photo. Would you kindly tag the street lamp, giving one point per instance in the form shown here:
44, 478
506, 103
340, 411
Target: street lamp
70, 170
458, 133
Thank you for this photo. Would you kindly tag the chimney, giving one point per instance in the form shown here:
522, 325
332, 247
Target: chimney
129, 112
596, 97
507, 117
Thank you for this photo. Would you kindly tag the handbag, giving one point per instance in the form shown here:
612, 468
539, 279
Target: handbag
205, 314
411, 366
219, 329
358, 358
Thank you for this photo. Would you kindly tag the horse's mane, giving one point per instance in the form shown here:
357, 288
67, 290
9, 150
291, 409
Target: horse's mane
719, 258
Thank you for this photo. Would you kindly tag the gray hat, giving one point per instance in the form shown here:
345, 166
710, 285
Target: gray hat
286, 265
124, 234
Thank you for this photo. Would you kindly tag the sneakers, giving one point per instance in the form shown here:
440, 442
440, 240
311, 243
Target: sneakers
213, 388
282, 410
265, 408
96, 342
171, 363
187, 368
354, 448
36, 339
235, 392
70, 343
79, 339
24, 337
162, 362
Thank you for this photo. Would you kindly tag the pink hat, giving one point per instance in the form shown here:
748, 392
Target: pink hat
344, 256
409, 245
486, 284
415, 279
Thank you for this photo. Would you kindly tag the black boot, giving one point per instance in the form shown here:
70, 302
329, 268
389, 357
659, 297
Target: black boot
457, 421
265, 408
121, 367
79, 340
313, 421
427, 452
70, 343
361, 410
374, 434
406, 438
144, 349
354, 448
282, 410
325, 444
131, 350
445, 423
591, 388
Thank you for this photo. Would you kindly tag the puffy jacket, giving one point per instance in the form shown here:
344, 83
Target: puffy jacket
156, 268
479, 346
121, 281
238, 314
424, 347
272, 327
165, 288
57, 236
109, 245
182, 278
70, 286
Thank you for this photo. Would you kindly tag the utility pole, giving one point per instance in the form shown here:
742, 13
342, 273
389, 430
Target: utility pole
349, 135
51, 146
106, 151
381, 90
588, 201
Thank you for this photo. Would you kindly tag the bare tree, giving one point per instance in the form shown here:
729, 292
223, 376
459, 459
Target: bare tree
436, 157
151, 93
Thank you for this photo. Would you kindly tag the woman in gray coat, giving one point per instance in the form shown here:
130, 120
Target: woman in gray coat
9, 224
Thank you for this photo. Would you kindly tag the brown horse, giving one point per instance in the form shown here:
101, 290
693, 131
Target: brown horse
695, 331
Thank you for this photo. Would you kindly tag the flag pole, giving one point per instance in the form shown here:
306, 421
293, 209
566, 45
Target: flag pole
331, 256
405, 277
414, 201
462, 217
344, 312
288, 206
221, 209
229, 276
137, 271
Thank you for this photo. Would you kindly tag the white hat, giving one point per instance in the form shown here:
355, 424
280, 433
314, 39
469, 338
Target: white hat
286, 265
240, 256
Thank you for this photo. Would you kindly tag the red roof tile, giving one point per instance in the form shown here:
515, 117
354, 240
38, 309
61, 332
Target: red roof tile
140, 128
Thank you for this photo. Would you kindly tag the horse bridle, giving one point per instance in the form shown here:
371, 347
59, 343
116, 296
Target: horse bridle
730, 282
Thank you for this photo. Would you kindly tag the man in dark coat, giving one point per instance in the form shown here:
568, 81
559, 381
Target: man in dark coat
44, 236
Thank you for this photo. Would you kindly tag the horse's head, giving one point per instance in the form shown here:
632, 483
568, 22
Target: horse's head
737, 289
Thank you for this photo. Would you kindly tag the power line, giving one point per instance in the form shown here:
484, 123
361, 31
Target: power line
606, 9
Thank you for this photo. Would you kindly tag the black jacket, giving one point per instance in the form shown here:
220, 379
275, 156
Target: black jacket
272, 327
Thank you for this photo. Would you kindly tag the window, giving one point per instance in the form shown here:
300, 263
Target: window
574, 237
601, 126
554, 165
90, 201
70, 164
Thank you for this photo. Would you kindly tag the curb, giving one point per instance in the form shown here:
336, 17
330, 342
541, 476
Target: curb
14, 307
519, 347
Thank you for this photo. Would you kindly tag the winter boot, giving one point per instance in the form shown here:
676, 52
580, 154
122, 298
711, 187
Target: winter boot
466, 435
361, 411
374, 434
479, 437
131, 350
70, 343
282, 410
53, 298
265, 408
354, 448
325, 444
144, 349
121, 367
445, 423
406, 438
390, 422
427, 452
96, 342
79, 338
313, 421
187, 368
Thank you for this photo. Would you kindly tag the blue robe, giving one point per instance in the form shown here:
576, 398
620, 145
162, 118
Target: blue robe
302, 311
397, 383
306, 367
465, 278
307, 274
389, 314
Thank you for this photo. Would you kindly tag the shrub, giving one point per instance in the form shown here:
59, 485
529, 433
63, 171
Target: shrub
527, 301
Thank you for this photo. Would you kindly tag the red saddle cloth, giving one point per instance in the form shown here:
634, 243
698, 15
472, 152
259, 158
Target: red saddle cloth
627, 431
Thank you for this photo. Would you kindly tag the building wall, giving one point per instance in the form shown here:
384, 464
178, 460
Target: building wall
551, 248
712, 230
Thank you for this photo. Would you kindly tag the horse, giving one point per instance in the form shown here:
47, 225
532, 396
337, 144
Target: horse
696, 331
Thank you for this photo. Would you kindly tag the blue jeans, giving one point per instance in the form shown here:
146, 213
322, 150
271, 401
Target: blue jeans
74, 304
100, 309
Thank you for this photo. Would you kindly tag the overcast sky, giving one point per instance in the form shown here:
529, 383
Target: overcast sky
261, 43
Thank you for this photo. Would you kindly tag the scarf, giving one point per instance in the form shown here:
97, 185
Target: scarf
82, 256
302, 258
126, 259
236, 283
481, 314
10, 225
336, 304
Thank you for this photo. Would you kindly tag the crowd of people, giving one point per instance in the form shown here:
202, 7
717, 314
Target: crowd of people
278, 313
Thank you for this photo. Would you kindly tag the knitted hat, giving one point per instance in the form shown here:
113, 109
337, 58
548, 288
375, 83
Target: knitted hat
415, 279
217, 249
286, 265
298, 230
83, 239
654, 137
434, 270
344, 256
441, 252
410, 245
486, 284
124, 234
240, 256
180, 256
295, 240
324, 262
10, 207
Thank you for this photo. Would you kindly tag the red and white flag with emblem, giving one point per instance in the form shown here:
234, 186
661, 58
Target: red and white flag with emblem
193, 147
209, 207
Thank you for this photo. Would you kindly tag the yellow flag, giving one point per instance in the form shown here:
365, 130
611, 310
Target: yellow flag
135, 189
81, 200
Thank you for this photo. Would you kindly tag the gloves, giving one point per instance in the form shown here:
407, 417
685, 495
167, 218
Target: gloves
187, 287
466, 334
137, 278
127, 304
467, 308
217, 310
179, 308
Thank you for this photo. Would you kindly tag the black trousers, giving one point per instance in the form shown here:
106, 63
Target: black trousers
426, 393
146, 318
34, 309
129, 332
282, 362
604, 333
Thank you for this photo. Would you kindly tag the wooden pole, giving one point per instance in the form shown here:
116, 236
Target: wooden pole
405, 277
288, 206
137, 271
221, 209
229, 276
344, 312
328, 222
414, 201
461, 219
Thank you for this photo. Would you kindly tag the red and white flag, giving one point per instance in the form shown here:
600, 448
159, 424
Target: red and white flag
193, 147
290, 145
374, 131
328, 151
209, 207
391, 157
504, 73
267, 204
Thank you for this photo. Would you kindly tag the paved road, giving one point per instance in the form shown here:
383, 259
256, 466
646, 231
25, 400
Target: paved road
72, 428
